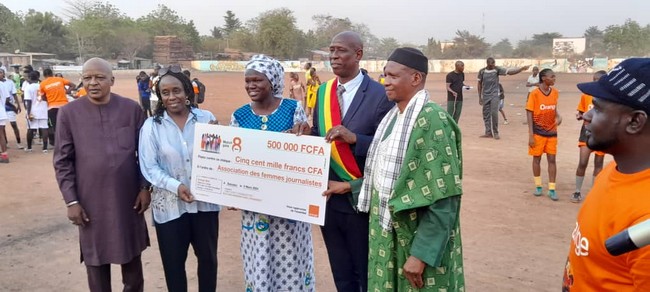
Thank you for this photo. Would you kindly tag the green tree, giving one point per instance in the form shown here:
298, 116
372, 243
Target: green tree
165, 21
311, 40
231, 24
502, 49
467, 45
216, 33
211, 46
545, 38
543, 43
44, 32
9, 37
595, 42
162, 21
327, 27
627, 40
540, 46
75, 9
525, 49
93, 29
243, 40
387, 46
191, 34
276, 33
432, 49
133, 41
371, 42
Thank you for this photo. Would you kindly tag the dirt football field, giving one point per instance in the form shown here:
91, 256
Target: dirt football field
513, 241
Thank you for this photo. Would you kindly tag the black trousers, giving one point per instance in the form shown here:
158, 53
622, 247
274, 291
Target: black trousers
145, 103
51, 116
346, 239
99, 277
201, 230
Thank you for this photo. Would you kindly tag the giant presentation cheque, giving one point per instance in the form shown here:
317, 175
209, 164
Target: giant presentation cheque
278, 174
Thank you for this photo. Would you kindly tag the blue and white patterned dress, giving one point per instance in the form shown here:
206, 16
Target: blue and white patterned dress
277, 252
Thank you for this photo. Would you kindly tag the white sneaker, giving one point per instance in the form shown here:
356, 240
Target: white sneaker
45, 151
28, 150
19, 146
506, 122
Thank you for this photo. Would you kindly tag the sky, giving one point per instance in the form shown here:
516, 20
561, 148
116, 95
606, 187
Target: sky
409, 21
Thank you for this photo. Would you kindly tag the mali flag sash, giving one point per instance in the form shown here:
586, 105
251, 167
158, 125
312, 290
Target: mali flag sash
329, 115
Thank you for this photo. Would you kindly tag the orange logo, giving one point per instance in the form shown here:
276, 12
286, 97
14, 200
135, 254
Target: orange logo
313, 211
236, 144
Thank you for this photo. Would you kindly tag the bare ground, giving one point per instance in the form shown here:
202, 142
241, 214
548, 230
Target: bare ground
512, 240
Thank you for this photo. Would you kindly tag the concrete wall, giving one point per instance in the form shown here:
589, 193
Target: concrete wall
435, 66
376, 66
240, 66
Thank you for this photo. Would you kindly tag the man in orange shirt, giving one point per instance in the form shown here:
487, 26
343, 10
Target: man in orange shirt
599, 157
543, 119
54, 91
618, 124
81, 92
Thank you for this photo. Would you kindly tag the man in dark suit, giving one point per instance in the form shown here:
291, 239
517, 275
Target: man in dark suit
356, 104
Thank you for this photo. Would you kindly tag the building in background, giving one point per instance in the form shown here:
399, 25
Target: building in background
37, 60
446, 45
567, 47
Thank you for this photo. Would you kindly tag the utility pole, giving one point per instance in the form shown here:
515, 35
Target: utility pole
483, 25
81, 58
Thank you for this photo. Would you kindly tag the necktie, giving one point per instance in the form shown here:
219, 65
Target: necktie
340, 89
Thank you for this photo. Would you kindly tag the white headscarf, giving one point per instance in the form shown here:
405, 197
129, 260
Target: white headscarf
272, 69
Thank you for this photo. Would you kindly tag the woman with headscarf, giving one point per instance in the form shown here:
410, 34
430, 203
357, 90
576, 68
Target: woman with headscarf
277, 252
166, 144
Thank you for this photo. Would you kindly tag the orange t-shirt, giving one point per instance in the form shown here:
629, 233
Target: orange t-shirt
195, 87
54, 90
586, 103
81, 92
544, 109
616, 202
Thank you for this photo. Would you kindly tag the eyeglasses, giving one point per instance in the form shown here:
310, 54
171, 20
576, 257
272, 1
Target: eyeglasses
175, 68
